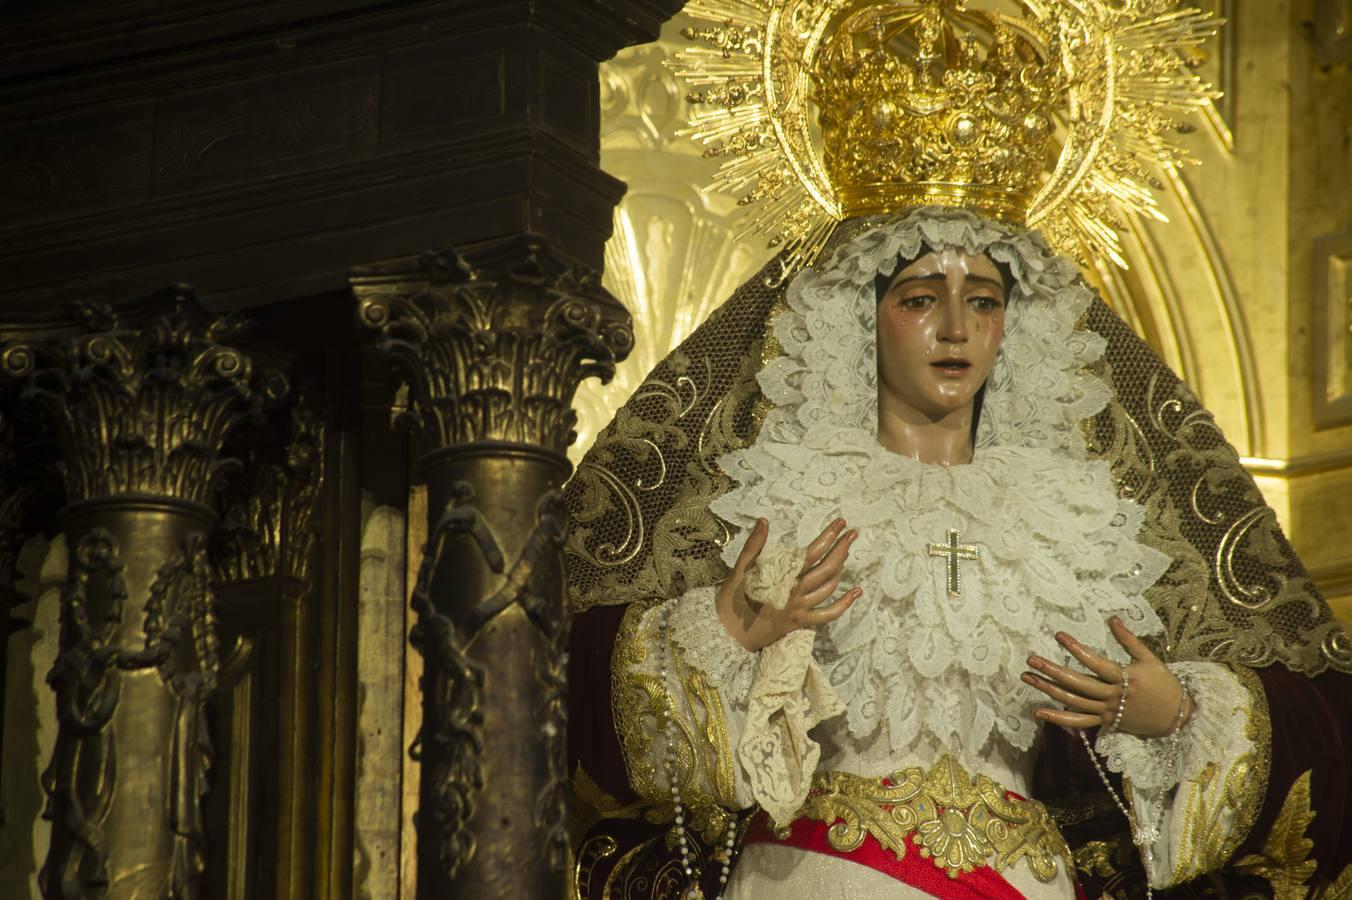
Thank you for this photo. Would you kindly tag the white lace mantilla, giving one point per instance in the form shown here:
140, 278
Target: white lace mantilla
1058, 548
1038, 392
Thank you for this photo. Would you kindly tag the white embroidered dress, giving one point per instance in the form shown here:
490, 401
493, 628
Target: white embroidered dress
910, 673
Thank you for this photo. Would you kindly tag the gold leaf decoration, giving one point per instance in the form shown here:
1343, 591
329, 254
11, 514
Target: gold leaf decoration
1285, 859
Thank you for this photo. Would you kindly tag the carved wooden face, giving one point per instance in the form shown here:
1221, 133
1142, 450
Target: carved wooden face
940, 324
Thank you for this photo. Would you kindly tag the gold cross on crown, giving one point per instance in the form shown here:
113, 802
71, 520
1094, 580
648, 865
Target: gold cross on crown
954, 551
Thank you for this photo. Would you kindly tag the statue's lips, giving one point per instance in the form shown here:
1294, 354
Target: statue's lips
953, 368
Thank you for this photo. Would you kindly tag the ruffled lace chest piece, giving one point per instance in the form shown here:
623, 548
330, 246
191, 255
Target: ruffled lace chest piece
1048, 544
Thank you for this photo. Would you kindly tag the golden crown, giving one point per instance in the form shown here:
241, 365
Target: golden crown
1055, 118
942, 124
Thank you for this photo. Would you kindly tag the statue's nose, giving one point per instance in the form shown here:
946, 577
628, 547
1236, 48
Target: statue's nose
953, 329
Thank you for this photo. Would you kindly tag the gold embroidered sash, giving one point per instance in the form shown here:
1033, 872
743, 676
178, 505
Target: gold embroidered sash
958, 820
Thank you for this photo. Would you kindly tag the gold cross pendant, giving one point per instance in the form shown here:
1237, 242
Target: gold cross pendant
954, 551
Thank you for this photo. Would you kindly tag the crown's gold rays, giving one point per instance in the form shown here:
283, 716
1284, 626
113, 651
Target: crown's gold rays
1111, 73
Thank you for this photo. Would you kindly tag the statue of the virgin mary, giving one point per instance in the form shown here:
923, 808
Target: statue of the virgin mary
913, 572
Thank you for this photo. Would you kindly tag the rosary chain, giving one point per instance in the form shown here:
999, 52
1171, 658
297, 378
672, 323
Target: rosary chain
693, 891
1143, 836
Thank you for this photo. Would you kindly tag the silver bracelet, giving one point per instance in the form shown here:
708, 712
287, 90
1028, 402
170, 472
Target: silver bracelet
1121, 705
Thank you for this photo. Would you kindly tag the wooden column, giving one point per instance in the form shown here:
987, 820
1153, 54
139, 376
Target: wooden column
142, 401
493, 342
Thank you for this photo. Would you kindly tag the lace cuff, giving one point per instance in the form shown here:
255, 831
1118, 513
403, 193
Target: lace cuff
1171, 782
774, 573
1156, 765
789, 696
706, 644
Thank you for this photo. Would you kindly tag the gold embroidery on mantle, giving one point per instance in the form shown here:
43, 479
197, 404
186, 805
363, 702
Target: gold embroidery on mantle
703, 754
1340, 888
1110, 860
1222, 804
593, 851
1285, 859
1236, 593
631, 694
591, 804
960, 821
703, 706
640, 497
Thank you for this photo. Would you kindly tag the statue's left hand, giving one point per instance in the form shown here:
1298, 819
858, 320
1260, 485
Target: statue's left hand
1153, 692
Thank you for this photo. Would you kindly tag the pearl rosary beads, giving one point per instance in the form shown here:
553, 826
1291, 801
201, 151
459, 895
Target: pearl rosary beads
694, 891
1143, 836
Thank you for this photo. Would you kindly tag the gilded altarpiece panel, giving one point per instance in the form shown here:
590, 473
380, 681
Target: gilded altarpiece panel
380, 745
674, 254
1332, 387
30, 716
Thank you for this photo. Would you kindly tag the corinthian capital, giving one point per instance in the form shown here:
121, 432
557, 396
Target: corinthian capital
143, 397
268, 528
493, 340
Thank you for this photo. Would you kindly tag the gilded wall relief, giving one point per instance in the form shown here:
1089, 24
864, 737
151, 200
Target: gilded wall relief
1332, 332
380, 749
1215, 62
674, 255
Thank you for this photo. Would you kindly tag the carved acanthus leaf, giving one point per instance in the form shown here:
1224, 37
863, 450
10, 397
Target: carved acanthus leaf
268, 527
142, 398
493, 342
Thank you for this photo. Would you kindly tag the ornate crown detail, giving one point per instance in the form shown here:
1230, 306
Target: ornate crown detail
826, 109
940, 126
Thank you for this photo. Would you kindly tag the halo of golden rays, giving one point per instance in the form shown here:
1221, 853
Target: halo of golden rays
1128, 92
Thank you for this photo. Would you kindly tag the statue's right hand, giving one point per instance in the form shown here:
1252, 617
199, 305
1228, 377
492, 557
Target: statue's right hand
757, 625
